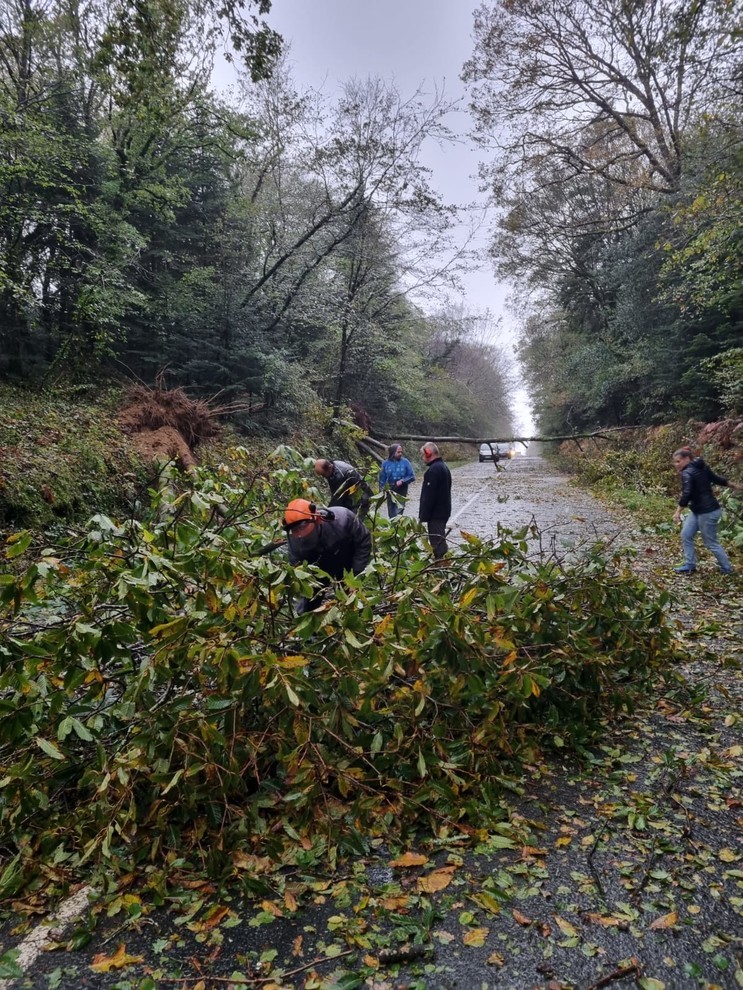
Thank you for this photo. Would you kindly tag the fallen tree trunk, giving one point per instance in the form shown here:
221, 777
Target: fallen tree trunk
596, 434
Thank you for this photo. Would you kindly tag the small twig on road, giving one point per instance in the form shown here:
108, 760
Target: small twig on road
618, 974
604, 826
637, 892
252, 981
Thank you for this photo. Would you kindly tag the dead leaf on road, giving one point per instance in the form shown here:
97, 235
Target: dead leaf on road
409, 859
104, 964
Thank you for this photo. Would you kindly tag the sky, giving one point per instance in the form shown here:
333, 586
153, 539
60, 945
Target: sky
417, 44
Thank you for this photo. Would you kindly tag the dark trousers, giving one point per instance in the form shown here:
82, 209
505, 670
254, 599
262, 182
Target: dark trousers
437, 536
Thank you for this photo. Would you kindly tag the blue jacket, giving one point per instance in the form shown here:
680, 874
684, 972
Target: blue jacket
697, 479
393, 471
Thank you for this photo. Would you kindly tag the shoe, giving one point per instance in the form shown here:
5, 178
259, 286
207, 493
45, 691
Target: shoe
685, 569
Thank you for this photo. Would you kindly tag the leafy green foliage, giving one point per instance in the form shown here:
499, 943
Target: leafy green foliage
163, 706
726, 371
61, 453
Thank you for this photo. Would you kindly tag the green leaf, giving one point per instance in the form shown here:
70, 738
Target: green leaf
9, 968
49, 748
18, 544
422, 768
81, 730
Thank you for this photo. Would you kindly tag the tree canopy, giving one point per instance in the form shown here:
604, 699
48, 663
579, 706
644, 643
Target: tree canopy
276, 245
613, 132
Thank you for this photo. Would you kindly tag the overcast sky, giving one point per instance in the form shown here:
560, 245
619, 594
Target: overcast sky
417, 44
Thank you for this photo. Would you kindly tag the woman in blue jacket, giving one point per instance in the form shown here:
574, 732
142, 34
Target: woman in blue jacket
394, 478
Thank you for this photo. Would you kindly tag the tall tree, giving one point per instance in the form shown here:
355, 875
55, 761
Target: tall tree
608, 88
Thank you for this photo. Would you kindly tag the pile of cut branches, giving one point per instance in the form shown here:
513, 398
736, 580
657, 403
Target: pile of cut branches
162, 703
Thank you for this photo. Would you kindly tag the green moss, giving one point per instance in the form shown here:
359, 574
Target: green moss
62, 457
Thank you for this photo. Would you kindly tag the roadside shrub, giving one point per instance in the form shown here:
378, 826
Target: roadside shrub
162, 705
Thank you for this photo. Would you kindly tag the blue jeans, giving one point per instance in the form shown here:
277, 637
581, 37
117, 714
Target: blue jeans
706, 524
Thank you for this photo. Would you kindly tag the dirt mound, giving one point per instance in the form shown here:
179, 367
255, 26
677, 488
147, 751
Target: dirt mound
727, 434
166, 424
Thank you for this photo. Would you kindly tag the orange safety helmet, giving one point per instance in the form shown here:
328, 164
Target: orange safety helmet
299, 510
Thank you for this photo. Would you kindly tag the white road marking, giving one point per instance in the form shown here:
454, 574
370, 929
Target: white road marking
467, 505
33, 944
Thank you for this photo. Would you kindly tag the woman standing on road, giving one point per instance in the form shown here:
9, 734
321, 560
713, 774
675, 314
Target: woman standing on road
394, 478
697, 479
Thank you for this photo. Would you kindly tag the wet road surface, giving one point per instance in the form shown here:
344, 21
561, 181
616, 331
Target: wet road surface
524, 491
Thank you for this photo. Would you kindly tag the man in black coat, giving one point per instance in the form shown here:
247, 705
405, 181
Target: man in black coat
435, 501
335, 540
347, 485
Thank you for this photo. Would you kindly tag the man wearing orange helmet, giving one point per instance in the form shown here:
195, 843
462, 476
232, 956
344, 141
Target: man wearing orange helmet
332, 539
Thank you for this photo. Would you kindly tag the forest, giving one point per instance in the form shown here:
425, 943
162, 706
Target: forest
274, 247
292, 249
612, 140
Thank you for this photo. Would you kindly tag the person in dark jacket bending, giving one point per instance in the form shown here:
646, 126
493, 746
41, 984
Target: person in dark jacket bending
697, 479
347, 485
435, 500
335, 540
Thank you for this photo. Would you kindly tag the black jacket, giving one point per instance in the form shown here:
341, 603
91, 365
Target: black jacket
697, 479
435, 500
345, 544
348, 488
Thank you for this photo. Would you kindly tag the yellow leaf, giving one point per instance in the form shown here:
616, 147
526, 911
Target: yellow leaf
728, 856
272, 908
467, 598
381, 627
395, 903
564, 840
297, 945
288, 663
476, 937
666, 921
371, 961
409, 859
255, 864
532, 851
437, 880
104, 964
495, 959
213, 918
605, 921
290, 902
487, 901
565, 927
